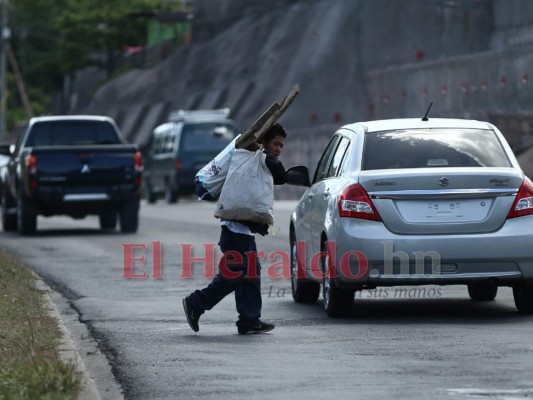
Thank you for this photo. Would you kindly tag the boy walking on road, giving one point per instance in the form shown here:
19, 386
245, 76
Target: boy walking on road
237, 238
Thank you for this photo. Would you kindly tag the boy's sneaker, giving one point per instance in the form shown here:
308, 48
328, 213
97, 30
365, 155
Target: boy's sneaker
192, 316
261, 327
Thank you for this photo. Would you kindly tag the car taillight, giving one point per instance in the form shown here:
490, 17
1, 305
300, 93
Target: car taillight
355, 203
179, 164
137, 161
31, 163
523, 205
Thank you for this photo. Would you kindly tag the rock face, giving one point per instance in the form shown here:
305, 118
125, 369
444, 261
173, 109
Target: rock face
353, 60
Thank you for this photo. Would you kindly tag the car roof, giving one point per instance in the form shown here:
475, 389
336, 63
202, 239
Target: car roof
416, 123
199, 116
53, 118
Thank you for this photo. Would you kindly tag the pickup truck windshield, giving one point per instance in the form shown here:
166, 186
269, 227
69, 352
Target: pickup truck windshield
72, 133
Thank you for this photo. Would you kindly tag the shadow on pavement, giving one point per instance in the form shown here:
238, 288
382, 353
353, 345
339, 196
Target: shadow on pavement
414, 311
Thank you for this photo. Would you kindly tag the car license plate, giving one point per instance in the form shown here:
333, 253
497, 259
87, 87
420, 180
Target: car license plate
444, 210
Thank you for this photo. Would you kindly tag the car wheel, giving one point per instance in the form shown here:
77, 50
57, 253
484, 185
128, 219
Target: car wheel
26, 216
108, 220
303, 290
482, 291
9, 218
523, 298
149, 194
337, 302
171, 194
129, 216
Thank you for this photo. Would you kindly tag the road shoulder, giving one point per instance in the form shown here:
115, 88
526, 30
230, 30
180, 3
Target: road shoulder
78, 348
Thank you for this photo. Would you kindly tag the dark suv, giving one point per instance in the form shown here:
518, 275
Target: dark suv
181, 147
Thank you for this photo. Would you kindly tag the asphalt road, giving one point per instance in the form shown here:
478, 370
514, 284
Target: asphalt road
432, 344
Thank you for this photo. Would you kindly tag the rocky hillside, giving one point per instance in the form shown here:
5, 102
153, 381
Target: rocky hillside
354, 60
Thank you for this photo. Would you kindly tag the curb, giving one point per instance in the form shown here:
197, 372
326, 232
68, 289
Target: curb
69, 351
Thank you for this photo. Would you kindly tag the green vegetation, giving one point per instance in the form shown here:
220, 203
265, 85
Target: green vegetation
30, 367
93, 32
52, 39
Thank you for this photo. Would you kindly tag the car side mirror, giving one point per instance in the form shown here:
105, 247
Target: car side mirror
298, 175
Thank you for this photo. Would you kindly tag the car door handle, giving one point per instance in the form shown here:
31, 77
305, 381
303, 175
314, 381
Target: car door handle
326, 194
310, 196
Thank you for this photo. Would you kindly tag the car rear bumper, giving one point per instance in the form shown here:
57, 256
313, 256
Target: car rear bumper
51, 200
366, 253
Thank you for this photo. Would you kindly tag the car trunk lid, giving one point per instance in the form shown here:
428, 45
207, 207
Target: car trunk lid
442, 200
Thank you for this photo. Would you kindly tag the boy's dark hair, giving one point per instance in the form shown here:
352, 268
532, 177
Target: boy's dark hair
276, 130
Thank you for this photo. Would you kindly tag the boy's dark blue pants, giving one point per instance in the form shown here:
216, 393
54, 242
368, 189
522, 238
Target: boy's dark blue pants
247, 286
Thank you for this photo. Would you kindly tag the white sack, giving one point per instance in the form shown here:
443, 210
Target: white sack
248, 192
213, 174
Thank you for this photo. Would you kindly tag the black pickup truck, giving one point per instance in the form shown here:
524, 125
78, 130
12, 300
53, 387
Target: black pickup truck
71, 165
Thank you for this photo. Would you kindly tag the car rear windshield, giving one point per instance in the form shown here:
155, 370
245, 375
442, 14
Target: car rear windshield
422, 148
71, 133
207, 136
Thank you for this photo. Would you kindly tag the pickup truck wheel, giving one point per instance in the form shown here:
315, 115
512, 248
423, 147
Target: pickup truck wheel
108, 220
337, 302
26, 216
523, 298
129, 216
9, 218
303, 291
482, 291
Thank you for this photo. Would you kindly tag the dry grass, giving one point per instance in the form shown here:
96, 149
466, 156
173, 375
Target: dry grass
30, 367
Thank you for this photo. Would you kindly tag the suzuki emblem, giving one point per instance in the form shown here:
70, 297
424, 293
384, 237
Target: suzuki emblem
85, 169
444, 181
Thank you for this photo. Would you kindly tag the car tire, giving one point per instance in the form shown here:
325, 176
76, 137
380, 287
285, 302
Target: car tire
337, 302
523, 298
149, 194
26, 216
303, 290
171, 194
9, 219
482, 291
129, 216
108, 220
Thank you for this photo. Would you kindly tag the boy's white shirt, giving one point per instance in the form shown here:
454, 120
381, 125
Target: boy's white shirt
237, 227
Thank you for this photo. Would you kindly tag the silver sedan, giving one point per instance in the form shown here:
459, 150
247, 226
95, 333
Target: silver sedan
413, 202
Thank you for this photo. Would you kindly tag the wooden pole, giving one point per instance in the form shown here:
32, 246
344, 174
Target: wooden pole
18, 78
